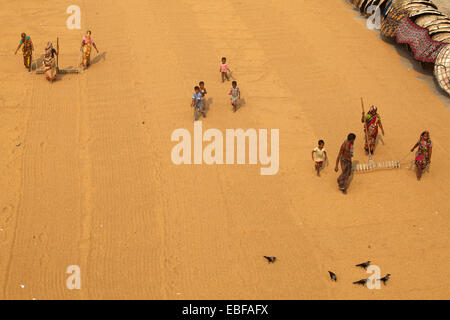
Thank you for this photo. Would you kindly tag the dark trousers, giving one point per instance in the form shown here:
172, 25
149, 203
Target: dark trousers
346, 166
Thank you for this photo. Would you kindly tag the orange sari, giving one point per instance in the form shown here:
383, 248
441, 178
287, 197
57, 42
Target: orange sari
87, 51
27, 52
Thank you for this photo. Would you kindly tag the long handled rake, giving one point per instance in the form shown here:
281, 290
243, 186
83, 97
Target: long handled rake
367, 167
58, 70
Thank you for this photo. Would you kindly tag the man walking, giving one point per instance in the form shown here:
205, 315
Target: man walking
345, 156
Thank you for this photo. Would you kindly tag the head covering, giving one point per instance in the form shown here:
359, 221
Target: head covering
373, 109
426, 132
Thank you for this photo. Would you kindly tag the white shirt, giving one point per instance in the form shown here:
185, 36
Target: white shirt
319, 154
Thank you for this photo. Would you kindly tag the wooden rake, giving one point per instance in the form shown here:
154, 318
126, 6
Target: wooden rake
58, 70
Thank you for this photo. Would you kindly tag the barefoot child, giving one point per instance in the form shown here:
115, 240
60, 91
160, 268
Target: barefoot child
319, 156
203, 91
197, 101
224, 69
235, 95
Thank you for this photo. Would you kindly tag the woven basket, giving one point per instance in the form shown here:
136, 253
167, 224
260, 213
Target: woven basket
441, 27
426, 21
444, 37
394, 15
440, 30
413, 13
364, 6
380, 4
420, 3
442, 68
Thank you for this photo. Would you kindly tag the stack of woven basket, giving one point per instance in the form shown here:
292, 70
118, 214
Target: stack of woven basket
425, 14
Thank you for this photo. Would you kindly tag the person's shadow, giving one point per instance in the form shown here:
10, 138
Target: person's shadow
37, 64
101, 56
241, 103
377, 141
207, 104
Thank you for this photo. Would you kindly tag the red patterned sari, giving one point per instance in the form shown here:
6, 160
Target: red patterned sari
423, 153
372, 122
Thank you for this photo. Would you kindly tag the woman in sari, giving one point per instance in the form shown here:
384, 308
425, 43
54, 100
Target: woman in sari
27, 50
50, 62
372, 121
423, 154
86, 46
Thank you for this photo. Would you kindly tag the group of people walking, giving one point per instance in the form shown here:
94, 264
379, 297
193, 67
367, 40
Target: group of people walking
371, 121
49, 61
198, 98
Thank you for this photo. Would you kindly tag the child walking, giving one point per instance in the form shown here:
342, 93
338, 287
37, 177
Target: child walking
203, 91
224, 69
197, 101
235, 95
319, 156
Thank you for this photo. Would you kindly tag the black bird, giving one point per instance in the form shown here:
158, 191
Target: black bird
361, 282
385, 278
332, 276
270, 259
364, 265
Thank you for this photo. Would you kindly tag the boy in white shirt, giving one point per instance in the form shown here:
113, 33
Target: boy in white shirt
319, 156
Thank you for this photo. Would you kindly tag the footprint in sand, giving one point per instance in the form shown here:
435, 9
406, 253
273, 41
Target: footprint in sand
6, 209
42, 238
5, 215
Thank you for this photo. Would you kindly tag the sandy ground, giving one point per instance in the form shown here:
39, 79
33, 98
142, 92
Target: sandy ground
92, 182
